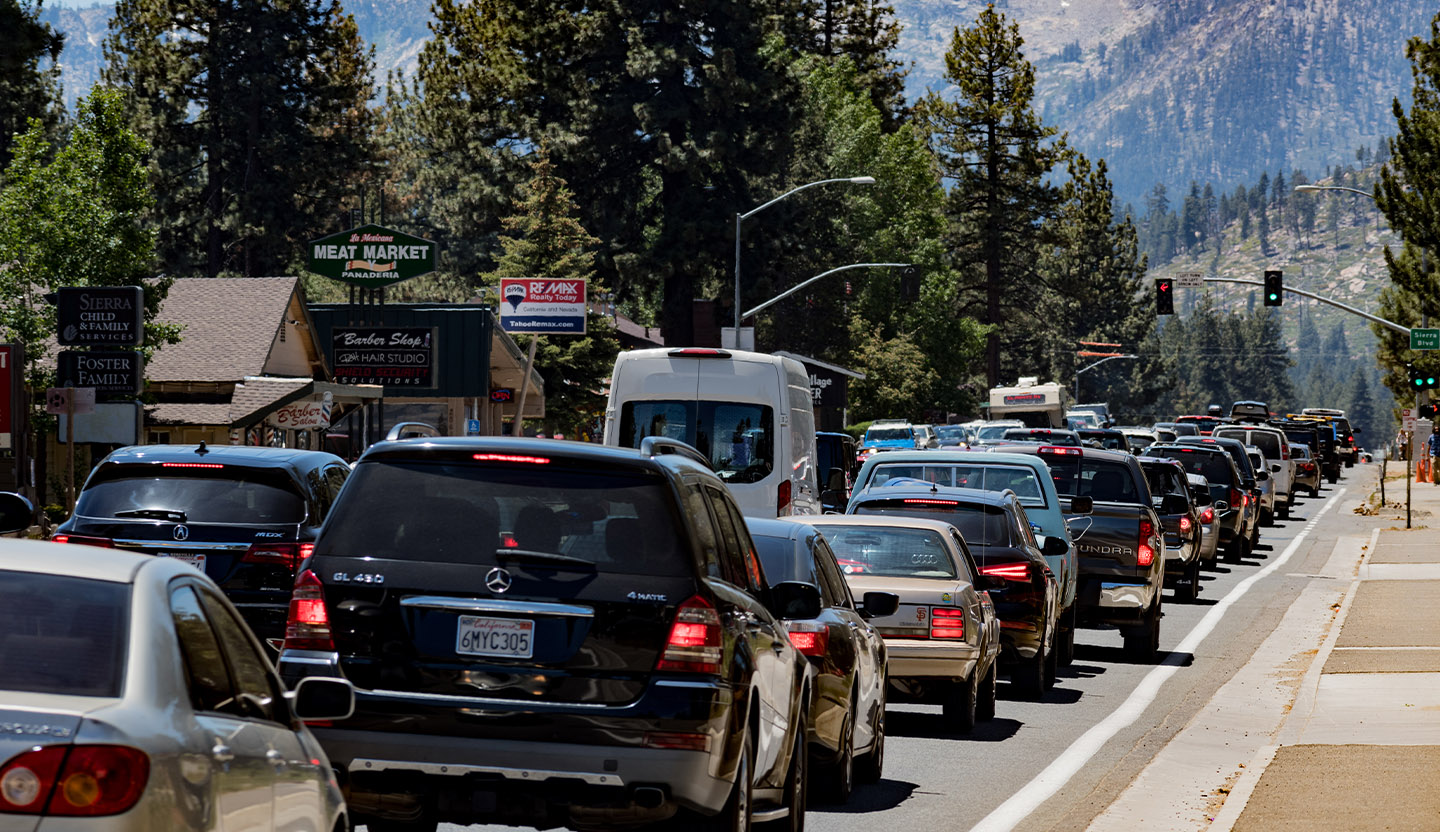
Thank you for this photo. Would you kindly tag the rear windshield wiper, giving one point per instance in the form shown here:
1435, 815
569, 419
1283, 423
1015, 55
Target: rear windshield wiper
154, 513
545, 559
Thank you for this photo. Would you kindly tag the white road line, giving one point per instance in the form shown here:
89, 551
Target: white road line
1054, 777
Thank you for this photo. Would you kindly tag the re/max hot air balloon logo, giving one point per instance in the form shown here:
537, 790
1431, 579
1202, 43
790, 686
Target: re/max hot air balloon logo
543, 305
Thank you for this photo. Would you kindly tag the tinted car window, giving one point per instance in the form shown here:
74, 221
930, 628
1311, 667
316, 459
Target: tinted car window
1043, 437
738, 439
247, 667
1098, 479
901, 553
60, 634
829, 573
1209, 464
1163, 479
1268, 443
889, 435
980, 525
206, 675
462, 513
1017, 478
231, 497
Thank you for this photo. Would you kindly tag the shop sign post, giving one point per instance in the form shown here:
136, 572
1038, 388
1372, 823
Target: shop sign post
540, 306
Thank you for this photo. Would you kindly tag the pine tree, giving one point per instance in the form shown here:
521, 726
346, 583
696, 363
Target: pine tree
545, 239
259, 121
28, 89
866, 32
999, 154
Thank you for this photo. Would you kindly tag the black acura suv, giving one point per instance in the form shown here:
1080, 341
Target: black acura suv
549, 633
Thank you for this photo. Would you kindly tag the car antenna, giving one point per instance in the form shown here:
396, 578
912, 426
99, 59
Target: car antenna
934, 489
202, 450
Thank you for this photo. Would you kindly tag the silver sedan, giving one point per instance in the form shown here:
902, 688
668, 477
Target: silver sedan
133, 697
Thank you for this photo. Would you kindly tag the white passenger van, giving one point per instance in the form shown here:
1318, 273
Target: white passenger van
749, 413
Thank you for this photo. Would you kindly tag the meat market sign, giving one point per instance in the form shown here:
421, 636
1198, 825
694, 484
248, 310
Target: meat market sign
371, 257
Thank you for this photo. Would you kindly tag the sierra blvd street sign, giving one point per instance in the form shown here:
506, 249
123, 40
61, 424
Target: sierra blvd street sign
371, 257
1425, 339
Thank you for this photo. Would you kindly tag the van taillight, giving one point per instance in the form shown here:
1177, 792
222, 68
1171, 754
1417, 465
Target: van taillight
288, 555
102, 542
947, 622
782, 499
308, 625
74, 780
694, 645
1146, 546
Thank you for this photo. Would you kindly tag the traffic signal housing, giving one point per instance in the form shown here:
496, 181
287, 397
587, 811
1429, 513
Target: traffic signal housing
1274, 287
1420, 380
1427, 411
1164, 296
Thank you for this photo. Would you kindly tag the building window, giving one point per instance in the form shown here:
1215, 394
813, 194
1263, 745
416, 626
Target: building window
159, 437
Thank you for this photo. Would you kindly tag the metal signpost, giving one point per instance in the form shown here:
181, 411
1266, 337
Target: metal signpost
68, 401
540, 306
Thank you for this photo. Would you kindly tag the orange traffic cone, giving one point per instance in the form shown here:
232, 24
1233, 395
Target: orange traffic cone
1422, 468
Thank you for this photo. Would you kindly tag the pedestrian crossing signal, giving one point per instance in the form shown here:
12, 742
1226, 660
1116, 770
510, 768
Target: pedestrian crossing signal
1274, 287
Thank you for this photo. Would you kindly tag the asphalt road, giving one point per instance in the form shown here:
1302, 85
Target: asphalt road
951, 782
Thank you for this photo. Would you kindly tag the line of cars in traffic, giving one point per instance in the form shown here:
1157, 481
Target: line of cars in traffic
551, 633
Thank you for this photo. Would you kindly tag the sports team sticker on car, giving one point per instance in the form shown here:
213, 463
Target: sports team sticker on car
947, 598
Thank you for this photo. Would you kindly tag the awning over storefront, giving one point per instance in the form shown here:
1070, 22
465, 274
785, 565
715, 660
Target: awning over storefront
507, 365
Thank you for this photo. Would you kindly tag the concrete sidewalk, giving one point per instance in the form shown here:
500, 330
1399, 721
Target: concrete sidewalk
1360, 750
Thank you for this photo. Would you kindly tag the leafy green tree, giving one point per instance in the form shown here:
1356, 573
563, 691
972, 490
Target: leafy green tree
259, 118
999, 156
548, 241
74, 217
28, 89
898, 381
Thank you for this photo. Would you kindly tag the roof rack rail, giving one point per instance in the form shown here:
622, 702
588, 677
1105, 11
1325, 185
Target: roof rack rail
411, 430
658, 445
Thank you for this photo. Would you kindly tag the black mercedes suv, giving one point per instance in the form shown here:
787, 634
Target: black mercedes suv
548, 633
245, 516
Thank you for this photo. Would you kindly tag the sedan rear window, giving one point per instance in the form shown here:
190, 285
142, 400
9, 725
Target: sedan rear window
889, 435
1019, 479
227, 496
980, 525
891, 552
544, 515
62, 635
783, 560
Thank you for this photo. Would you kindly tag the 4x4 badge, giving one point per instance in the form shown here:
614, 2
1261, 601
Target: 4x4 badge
498, 580
181, 532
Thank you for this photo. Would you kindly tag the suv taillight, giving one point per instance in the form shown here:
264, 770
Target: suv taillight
102, 542
288, 555
1186, 525
694, 645
1237, 499
74, 780
782, 499
308, 625
1146, 548
1208, 515
947, 622
809, 637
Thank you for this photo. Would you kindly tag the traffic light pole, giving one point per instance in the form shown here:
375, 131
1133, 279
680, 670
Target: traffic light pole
1403, 330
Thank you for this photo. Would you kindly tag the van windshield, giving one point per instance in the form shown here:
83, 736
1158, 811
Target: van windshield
736, 437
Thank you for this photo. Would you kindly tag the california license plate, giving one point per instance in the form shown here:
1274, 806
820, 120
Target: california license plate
477, 635
195, 559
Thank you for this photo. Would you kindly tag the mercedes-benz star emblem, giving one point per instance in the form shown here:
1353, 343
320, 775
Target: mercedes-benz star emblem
498, 580
182, 532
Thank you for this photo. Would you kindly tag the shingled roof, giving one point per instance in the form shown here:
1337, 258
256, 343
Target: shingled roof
230, 324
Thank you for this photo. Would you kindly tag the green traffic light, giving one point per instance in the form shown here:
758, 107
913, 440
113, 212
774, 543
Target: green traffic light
1273, 296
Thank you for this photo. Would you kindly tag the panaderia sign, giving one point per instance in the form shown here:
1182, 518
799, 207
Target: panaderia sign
371, 257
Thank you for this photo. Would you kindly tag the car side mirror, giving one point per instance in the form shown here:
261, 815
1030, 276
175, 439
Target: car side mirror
1054, 546
1356, 430
1262, 476
1174, 504
16, 512
1221, 505
835, 481
322, 698
1274, 469
795, 600
1082, 505
879, 604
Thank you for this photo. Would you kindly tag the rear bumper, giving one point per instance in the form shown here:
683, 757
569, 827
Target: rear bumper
920, 659
1116, 601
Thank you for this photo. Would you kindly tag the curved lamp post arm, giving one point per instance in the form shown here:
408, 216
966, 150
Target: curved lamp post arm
1310, 188
853, 180
792, 290
1093, 366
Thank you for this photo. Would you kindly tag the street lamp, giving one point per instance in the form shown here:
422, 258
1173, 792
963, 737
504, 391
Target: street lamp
1310, 188
1093, 366
853, 180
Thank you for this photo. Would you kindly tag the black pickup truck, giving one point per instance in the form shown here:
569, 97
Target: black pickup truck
1107, 505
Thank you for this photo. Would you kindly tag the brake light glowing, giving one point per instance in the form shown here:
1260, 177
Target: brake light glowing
917, 501
1146, 549
782, 499
694, 645
1186, 525
809, 639
102, 542
308, 624
288, 555
1059, 451
947, 622
1207, 516
1008, 571
698, 352
1236, 498
79, 780
191, 465
518, 458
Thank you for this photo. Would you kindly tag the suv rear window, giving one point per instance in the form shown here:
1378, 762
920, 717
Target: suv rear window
62, 635
1212, 465
895, 552
1267, 442
457, 512
737, 438
223, 495
1100, 480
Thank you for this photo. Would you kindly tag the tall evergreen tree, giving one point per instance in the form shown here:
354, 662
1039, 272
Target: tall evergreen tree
28, 88
545, 239
999, 155
259, 119
866, 32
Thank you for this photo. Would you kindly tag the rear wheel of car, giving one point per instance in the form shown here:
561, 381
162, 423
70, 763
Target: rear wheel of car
1066, 642
985, 707
1267, 518
1052, 663
960, 704
1235, 550
1028, 675
1142, 641
735, 816
1315, 492
871, 767
1188, 589
797, 783
1333, 478
1284, 510
837, 779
